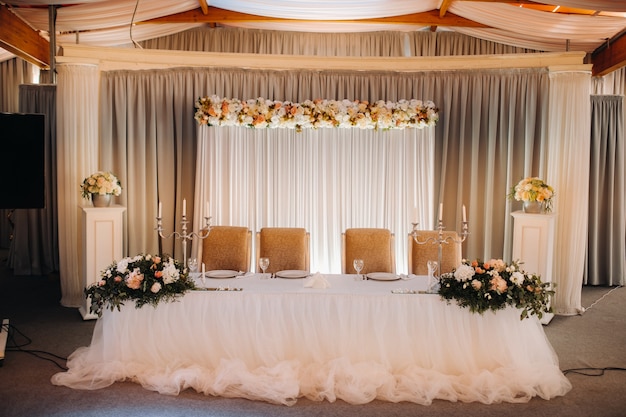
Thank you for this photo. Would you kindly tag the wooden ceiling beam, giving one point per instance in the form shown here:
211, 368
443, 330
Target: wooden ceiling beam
216, 15
204, 6
20, 39
609, 57
444, 7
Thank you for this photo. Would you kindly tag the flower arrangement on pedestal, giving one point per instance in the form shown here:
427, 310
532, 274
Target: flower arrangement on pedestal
494, 285
533, 189
102, 183
146, 279
312, 114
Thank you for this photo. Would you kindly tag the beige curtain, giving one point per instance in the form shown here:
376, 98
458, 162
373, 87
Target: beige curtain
411, 43
483, 143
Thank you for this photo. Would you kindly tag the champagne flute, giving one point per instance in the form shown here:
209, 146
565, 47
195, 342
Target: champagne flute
264, 263
192, 263
358, 266
432, 278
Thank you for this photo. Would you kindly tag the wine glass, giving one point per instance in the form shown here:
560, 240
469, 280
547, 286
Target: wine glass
432, 277
358, 266
192, 263
264, 263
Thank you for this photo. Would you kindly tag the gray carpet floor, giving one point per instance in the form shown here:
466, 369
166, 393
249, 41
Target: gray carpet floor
44, 333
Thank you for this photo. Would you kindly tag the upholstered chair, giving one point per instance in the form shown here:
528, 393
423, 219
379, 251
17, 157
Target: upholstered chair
420, 254
286, 247
374, 246
227, 247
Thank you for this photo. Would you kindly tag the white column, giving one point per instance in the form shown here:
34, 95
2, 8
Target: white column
533, 245
102, 245
77, 158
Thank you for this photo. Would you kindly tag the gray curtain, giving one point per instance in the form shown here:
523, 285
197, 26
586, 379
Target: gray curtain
13, 72
606, 250
34, 248
491, 133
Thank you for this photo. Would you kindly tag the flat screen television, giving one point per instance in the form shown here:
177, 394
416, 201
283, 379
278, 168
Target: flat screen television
22, 161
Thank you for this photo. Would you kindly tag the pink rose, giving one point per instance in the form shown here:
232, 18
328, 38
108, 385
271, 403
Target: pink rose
134, 279
498, 284
156, 287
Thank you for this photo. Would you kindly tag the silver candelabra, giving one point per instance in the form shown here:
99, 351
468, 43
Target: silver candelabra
440, 240
183, 235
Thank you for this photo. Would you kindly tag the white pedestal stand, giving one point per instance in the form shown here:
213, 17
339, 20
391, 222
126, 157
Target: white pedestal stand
533, 244
102, 245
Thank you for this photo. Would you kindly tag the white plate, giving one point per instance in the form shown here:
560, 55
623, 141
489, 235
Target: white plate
221, 273
382, 276
293, 273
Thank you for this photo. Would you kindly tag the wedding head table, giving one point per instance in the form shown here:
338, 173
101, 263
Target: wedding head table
278, 340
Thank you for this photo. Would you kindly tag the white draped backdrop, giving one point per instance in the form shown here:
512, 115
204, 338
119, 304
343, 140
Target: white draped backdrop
324, 180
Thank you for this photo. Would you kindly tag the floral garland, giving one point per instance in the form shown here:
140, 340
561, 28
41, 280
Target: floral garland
147, 279
312, 114
494, 285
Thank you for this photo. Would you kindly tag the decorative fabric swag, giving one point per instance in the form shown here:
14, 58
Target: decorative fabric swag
313, 114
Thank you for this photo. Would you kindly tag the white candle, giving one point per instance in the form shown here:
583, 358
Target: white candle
207, 210
440, 211
184, 207
160, 210
464, 215
414, 215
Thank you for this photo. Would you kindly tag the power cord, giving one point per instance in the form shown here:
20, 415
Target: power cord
602, 298
591, 371
16, 347
595, 371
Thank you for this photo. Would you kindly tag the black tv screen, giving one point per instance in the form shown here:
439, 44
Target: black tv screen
22, 163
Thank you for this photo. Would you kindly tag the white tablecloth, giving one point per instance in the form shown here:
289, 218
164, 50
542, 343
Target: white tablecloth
277, 340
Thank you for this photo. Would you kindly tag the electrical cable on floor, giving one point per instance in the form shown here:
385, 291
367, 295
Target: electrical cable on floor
601, 298
41, 354
595, 371
591, 371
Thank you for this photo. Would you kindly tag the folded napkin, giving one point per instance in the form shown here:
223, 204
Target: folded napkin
317, 281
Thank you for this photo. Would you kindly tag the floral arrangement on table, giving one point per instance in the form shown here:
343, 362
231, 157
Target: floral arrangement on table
533, 189
101, 183
146, 279
494, 285
313, 114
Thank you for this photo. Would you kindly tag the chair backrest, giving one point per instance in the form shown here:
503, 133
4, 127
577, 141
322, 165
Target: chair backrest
421, 253
227, 247
374, 246
286, 247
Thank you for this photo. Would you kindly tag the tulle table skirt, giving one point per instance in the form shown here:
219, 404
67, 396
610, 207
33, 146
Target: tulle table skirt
278, 341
